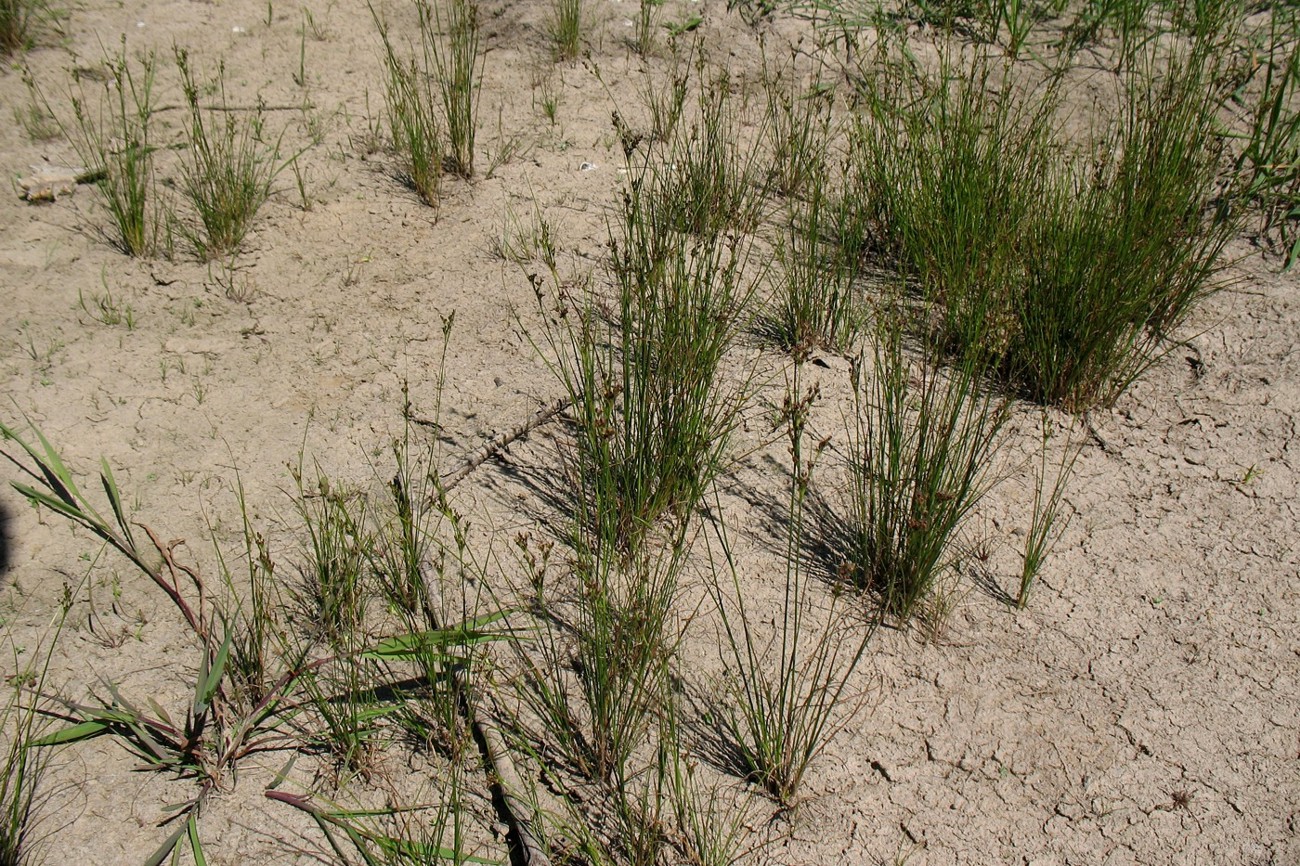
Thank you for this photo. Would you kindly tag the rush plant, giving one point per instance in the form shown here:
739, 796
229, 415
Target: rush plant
415, 124
922, 443
227, 168
113, 136
787, 692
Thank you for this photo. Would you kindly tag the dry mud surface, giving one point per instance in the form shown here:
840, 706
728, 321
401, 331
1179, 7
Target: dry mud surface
1144, 709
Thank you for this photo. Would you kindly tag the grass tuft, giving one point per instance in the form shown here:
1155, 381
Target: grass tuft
17, 18
414, 123
921, 446
1065, 274
22, 762
799, 129
1123, 249
814, 307
653, 410
333, 591
786, 691
458, 59
1268, 164
113, 136
227, 168
565, 27
708, 180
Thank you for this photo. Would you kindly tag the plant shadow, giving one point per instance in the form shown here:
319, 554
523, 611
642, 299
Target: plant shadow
6, 543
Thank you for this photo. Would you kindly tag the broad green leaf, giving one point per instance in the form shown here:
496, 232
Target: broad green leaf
481, 622
53, 464
419, 644
56, 505
82, 731
211, 681
329, 835
283, 773
159, 711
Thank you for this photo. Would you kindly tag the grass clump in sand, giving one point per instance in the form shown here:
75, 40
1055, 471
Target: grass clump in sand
1065, 283
113, 137
922, 444
17, 18
227, 166
565, 27
784, 697
432, 94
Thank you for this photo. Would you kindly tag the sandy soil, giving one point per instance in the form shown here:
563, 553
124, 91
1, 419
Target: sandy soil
1144, 709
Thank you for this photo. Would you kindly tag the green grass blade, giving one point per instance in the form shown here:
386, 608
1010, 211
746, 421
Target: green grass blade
54, 464
421, 644
166, 848
211, 680
196, 847
115, 499
76, 733
58, 506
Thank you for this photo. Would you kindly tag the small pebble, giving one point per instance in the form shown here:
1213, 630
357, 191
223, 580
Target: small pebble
587, 166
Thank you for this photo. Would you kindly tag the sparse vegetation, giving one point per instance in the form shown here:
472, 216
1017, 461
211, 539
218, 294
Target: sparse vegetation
1048, 515
794, 324
786, 694
1268, 160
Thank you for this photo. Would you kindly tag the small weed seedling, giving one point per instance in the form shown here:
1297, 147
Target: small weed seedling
106, 309
1046, 522
36, 118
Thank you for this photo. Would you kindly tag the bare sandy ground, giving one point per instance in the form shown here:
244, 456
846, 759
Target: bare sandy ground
1145, 708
